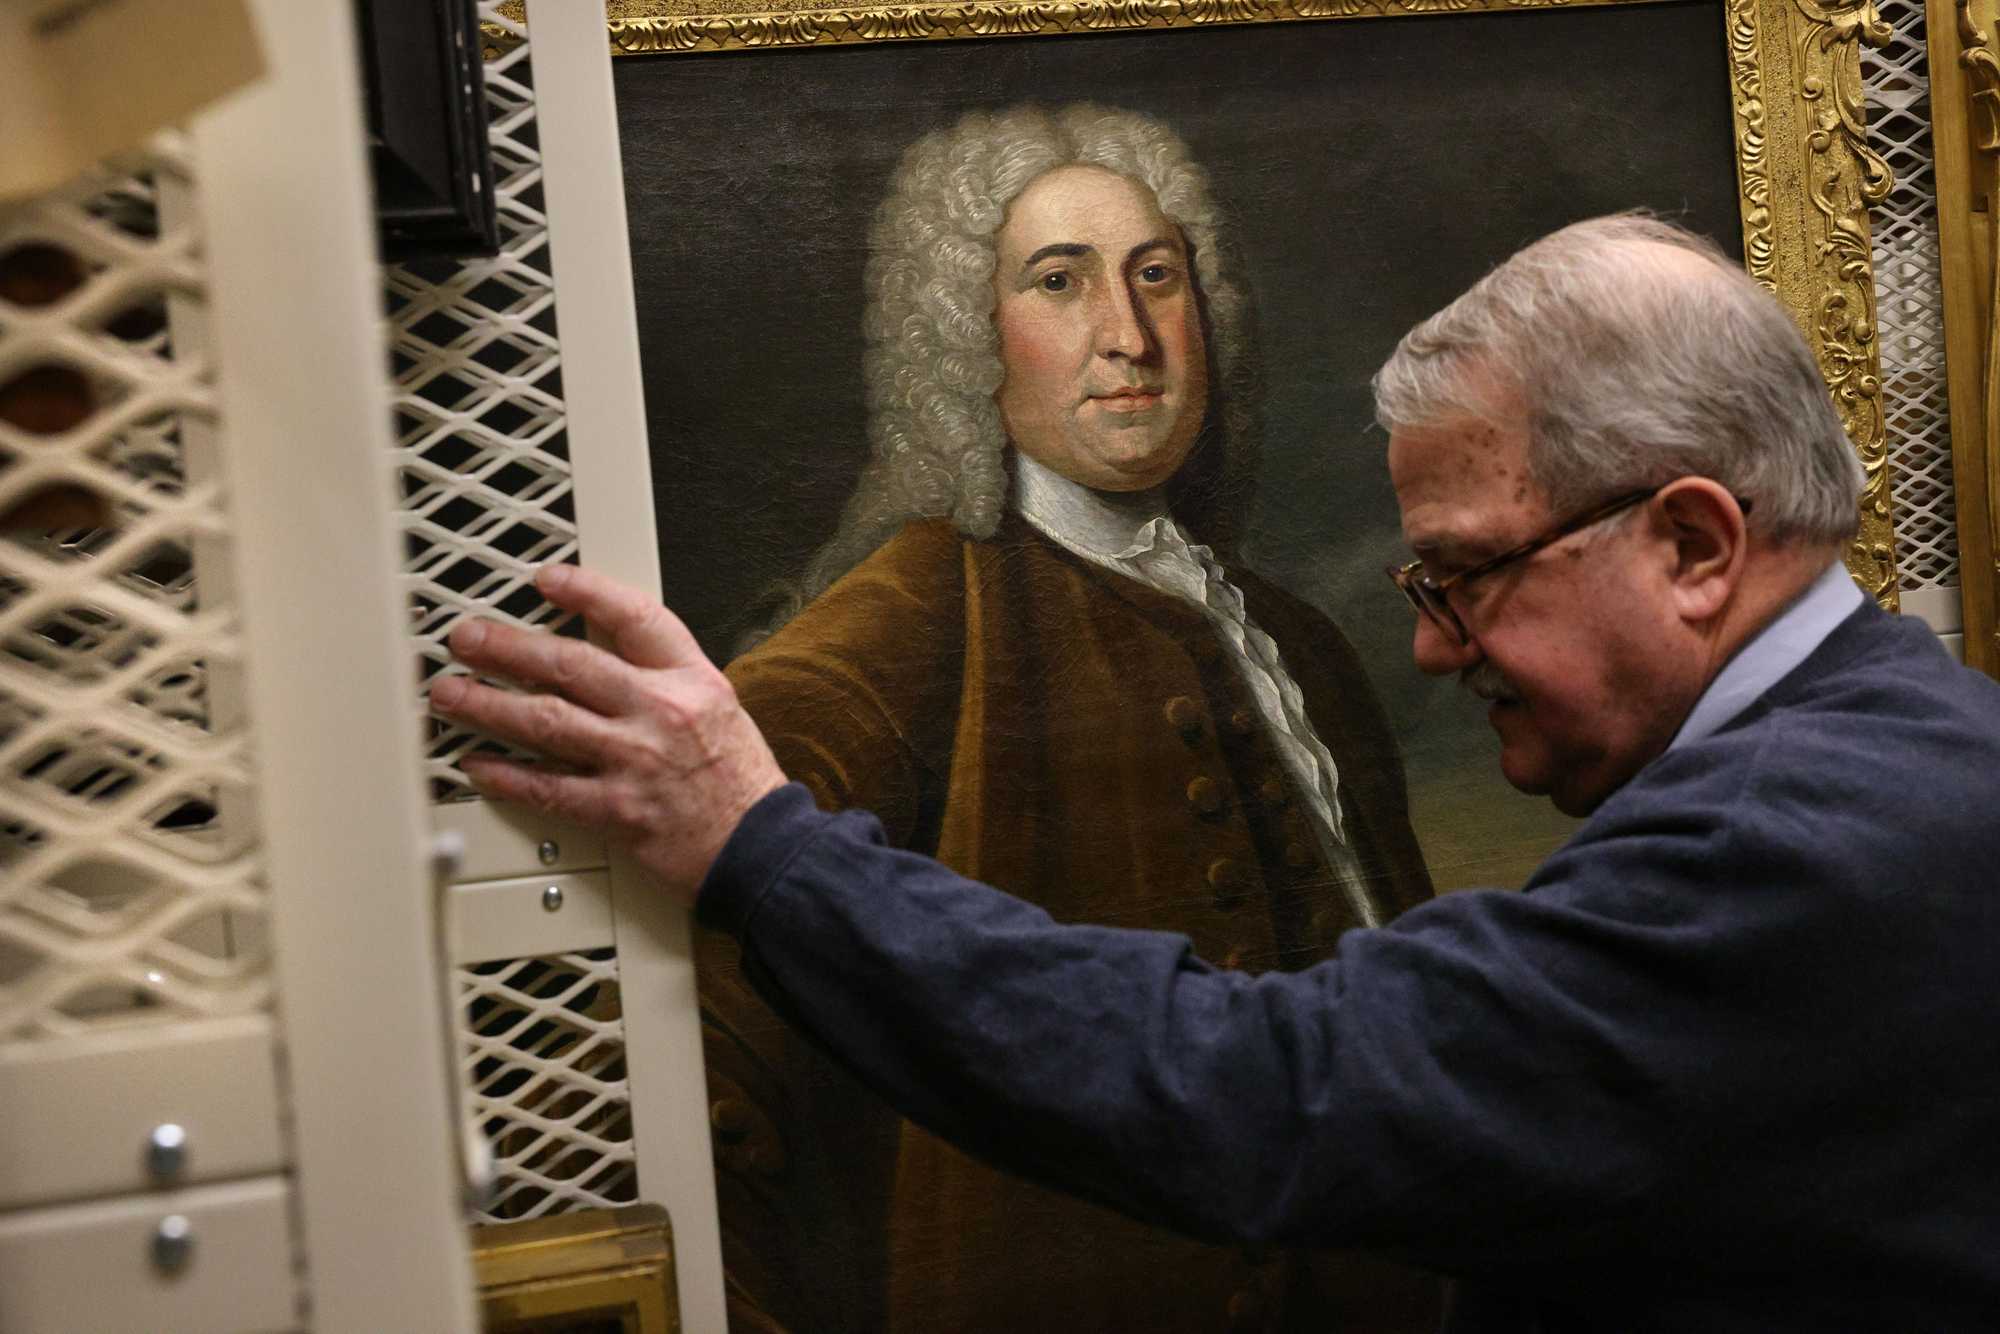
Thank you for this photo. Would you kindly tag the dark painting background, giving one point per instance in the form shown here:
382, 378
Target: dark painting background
1374, 170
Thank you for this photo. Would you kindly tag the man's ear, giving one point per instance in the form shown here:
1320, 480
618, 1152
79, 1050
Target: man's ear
1708, 540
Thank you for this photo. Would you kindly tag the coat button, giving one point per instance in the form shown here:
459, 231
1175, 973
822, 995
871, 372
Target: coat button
1327, 924
1205, 796
1242, 722
1273, 791
1246, 1311
745, 1139
1226, 878
731, 1119
1298, 854
1185, 716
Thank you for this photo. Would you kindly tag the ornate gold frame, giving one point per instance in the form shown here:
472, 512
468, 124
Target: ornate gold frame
578, 1271
1805, 172
1965, 136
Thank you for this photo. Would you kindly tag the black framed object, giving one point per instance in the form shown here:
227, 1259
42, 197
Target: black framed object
426, 109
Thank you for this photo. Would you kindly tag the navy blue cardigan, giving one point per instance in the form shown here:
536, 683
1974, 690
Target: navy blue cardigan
1730, 1062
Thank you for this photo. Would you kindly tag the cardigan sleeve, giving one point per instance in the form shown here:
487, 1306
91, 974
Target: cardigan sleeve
1496, 1078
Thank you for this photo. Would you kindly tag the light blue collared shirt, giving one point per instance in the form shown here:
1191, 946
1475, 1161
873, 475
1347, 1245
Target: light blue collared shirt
1772, 652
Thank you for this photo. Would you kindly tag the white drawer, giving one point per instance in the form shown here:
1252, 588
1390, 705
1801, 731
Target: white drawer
84, 1268
76, 1118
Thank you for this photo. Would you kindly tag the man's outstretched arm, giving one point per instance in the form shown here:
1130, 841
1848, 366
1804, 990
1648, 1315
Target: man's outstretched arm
1027, 1066
1384, 1098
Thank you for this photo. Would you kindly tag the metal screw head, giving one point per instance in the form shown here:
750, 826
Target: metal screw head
166, 1151
552, 898
549, 851
173, 1243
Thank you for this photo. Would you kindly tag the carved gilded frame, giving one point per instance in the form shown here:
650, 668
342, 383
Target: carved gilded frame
1805, 173
1965, 124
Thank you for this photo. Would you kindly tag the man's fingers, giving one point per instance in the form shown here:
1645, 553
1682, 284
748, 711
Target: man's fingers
546, 723
634, 625
583, 672
574, 797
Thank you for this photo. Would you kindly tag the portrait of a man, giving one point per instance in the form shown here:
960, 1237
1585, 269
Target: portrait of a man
1031, 649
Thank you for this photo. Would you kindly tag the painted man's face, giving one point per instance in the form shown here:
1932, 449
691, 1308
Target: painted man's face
1100, 334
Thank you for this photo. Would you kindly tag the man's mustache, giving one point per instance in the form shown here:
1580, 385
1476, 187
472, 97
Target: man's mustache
1486, 681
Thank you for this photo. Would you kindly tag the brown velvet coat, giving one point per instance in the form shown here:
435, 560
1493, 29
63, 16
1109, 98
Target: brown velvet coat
1083, 741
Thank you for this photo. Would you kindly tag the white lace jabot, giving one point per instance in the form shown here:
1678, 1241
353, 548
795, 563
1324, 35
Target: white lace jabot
1130, 533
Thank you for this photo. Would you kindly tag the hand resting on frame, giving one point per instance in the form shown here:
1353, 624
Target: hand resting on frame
653, 747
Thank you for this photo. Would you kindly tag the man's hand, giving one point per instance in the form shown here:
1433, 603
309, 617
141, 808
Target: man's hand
656, 751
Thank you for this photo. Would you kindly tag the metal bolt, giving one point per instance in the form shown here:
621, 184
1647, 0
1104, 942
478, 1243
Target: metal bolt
173, 1243
447, 852
552, 898
548, 852
166, 1151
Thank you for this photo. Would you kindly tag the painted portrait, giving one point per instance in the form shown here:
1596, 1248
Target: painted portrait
1013, 446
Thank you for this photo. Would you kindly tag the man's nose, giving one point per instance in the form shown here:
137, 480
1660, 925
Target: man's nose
1122, 328
1439, 653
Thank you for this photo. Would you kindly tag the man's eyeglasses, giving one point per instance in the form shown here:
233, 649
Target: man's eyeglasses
1428, 594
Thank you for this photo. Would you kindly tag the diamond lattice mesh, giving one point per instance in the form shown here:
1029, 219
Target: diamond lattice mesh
1909, 303
486, 496
123, 897
480, 440
545, 1061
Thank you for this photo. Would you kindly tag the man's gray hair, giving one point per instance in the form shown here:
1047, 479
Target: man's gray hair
933, 364
1631, 374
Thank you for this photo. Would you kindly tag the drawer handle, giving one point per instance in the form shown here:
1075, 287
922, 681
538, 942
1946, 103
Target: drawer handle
166, 1151
173, 1244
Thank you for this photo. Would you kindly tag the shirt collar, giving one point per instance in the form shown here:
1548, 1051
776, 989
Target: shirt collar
1772, 653
1106, 525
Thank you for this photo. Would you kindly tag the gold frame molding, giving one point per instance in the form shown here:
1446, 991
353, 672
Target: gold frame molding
1965, 137
577, 1271
1805, 173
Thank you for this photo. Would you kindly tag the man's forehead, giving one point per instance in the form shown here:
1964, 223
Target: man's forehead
1454, 478
1073, 201
1469, 450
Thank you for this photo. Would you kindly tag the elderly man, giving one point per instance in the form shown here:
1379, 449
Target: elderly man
1724, 1064
1030, 652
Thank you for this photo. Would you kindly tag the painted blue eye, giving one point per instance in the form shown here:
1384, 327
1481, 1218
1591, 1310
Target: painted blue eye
1055, 282
1155, 273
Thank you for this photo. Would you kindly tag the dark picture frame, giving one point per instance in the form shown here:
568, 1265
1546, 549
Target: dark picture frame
425, 104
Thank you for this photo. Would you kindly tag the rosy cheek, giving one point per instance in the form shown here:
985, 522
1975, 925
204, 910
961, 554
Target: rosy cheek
1036, 344
1183, 333
1175, 320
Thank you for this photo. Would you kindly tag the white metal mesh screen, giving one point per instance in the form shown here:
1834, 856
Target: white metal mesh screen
480, 435
545, 1062
484, 461
122, 897
1909, 303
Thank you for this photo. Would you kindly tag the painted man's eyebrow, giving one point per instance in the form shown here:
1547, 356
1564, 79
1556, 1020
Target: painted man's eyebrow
1074, 249
1067, 249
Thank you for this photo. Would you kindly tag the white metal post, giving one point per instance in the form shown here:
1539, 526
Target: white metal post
603, 392
297, 330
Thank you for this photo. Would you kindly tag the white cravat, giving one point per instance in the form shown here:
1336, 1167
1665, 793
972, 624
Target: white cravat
1130, 533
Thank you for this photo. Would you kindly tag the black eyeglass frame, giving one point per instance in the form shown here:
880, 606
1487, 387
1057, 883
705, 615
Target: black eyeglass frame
1428, 595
